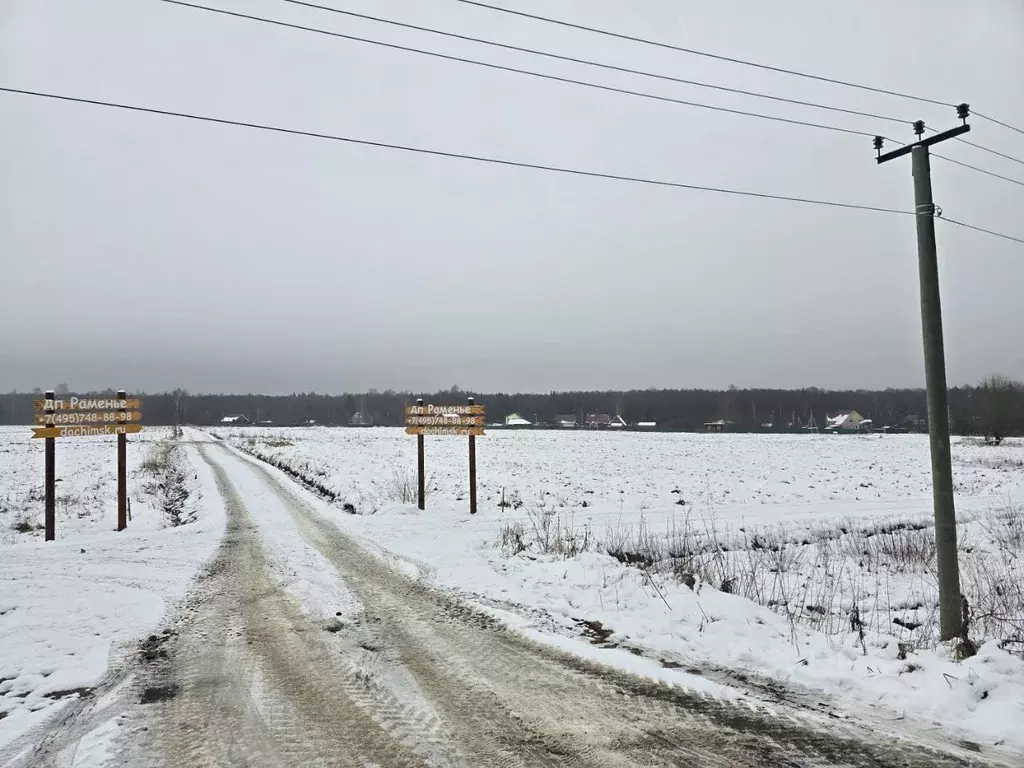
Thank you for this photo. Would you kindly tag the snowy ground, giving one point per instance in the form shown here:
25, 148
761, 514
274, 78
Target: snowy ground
814, 527
66, 605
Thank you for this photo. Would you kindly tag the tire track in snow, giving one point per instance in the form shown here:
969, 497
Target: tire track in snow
511, 702
296, 700
248, 680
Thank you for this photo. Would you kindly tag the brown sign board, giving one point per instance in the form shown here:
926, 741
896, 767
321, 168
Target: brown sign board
446, 420
65, 418
86, 430
476, 431
440, 410
86, 404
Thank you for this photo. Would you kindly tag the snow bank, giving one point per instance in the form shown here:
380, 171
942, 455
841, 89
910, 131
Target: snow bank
66, 604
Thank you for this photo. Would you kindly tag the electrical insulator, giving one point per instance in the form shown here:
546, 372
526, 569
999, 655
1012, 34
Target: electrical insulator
919, 127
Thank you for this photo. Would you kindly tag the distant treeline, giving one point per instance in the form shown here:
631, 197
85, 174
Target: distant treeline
994, 407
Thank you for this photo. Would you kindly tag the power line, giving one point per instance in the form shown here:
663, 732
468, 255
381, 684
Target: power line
451, 155
970, 144
979, 170
516, 70
991, 151
590, 63
744, 62
981, 229
706, 54
999, 122
488, 160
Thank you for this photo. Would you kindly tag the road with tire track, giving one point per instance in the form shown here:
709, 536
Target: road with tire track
418, 678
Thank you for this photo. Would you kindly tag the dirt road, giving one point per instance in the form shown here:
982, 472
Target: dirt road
417, 678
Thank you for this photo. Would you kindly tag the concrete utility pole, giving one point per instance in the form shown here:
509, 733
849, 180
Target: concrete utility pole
950, 599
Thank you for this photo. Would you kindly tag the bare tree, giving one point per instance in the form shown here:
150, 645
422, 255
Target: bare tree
179, 395
999, 398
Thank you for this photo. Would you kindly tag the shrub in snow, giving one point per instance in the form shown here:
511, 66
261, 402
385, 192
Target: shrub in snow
403, 487
512, 538
874, 579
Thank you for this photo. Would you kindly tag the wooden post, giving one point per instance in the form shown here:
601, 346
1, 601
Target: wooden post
122, 472
50, 484
421, 467
472, 471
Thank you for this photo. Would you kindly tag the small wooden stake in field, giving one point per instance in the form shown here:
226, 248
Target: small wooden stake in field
51, 478
422, 420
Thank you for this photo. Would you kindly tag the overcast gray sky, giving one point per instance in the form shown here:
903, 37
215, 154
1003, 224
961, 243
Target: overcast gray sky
150, 252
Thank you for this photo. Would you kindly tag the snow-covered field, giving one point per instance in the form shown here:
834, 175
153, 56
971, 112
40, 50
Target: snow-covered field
65, 604
760, 478
810, 557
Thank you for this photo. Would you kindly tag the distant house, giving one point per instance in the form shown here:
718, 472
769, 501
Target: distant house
515, 420
847, 421
617, 422
566, 421
646, 424
597, 421
914, 422
236, 420
360, 419
265, 423
720, 425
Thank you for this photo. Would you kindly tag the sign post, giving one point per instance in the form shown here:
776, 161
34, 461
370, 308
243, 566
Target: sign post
421, 466
122, 469
85, 417
472, 470
50, 483
421, 420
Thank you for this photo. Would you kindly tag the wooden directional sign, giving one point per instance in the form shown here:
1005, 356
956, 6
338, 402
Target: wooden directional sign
422, 420
441, 410
444, 419
475, 431
87, 404
87, 430
62, 418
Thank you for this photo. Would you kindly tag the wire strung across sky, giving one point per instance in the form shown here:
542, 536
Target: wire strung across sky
999, 122
598, 64
976, 168
990, 151
732, 60
981, 229
571, 81
516, 70
706, 54
483, 159
446, 154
